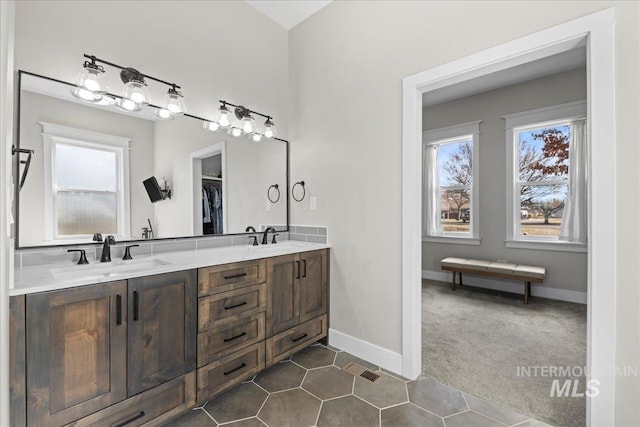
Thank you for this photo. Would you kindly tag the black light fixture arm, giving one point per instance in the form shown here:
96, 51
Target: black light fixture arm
94, 59
244, 110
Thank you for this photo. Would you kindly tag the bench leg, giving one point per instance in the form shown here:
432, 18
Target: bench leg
453, 281
527, 292
460, 273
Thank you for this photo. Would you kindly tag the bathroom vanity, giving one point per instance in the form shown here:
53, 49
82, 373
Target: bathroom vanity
131, 346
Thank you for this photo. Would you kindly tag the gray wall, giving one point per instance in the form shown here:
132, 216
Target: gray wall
346, 66
565, 270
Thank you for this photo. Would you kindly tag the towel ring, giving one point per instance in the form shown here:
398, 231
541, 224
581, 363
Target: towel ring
275, 192
304, 192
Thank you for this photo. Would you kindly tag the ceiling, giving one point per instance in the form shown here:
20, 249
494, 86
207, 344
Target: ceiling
288, 13
565, 61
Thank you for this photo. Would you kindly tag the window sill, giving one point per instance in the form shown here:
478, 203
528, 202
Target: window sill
475, 241
542, 245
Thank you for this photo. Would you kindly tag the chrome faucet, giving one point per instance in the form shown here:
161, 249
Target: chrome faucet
266, 234
106, 249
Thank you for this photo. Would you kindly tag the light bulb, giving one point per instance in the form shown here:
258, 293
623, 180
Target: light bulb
223, 117
128, 105
163, 113
248, 124
136, 91
269, 128
85, 94
234, 131
212, 126
174, 102
256, 137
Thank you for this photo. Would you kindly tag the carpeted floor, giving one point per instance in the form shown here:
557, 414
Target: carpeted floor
475, 340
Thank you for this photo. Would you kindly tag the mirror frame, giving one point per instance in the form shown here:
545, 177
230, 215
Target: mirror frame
16, 179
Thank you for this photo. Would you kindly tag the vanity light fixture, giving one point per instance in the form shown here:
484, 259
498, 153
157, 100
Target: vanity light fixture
91, 86
245, 123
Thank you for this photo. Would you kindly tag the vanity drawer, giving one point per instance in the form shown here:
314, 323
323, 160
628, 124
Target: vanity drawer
223, 374
221, 278
231, 305
151, 408
286, 343
229, 337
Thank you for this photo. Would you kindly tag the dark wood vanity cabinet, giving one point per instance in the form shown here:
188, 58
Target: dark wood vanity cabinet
142, 351
76, 341
91, 347
296, 302
162, 329
297, 289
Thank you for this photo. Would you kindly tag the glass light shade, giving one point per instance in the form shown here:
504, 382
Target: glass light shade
92, 78
128, 105
137, 92
174, 102
212, 126
163, 114
223, 117
269, 129
256, 137
106, 100
248, 124
235, 131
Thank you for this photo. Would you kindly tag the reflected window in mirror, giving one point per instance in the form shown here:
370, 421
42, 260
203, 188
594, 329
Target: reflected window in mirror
84, 184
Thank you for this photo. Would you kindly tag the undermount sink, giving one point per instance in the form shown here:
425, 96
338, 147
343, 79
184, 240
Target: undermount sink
106, 269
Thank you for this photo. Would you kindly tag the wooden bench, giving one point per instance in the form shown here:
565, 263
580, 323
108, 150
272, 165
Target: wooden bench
504, 270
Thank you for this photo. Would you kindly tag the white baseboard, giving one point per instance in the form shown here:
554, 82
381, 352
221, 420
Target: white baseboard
512, 287
382, 357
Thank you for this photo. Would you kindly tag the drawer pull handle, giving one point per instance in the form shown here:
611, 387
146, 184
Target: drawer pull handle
130, 420
235, 369
299, 338
304, 266
298, 267
235, 338
118, 309
235, 276
136, 305
240, 304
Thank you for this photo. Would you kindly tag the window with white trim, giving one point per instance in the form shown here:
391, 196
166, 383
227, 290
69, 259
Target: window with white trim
450, 166
86, 191
547, 186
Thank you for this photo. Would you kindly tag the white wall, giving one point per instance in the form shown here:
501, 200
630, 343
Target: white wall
6, 264
214, 50
250, 168
346, 66
565, 270
36, 108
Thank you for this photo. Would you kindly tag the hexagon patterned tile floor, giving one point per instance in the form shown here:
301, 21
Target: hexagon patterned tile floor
311, 389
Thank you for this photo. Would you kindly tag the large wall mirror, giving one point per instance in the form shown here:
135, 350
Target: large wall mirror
90, 163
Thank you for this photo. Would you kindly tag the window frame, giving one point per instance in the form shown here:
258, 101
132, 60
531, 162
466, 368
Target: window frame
54, 134
465, 131
556, 115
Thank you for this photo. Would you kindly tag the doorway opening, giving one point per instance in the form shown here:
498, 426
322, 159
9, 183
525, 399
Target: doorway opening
597, 30
209, 189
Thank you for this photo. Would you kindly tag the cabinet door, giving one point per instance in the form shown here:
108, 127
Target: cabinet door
313, 284
76, 358
283, 305
162, 329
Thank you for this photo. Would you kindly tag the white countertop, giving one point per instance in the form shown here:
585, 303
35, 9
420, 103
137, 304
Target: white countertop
51, 277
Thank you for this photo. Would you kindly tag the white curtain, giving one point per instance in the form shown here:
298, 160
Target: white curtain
574, 219
431, 187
